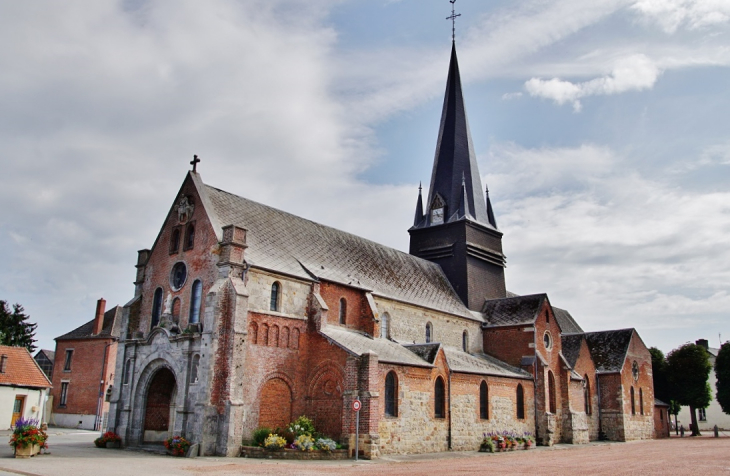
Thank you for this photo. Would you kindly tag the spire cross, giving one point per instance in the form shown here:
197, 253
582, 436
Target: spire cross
195, 162
453, 18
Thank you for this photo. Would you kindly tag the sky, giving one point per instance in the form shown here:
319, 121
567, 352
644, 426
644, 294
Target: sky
601, 129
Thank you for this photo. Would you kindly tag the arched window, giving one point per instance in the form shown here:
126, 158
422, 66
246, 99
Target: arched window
483, 401
189, 236
175, 240
633, 404
429, 333
465, 341
343, 311
439, 410
391, 394
587, 394
194, 369
551, 392
641, 400
384, 326
127, 371
520, 401
275, 292
195, 298
156, 307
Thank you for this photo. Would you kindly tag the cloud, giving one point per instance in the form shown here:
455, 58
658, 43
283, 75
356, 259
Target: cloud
634, 73
670, 15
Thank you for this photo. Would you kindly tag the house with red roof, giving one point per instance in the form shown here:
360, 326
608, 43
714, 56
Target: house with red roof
24, 388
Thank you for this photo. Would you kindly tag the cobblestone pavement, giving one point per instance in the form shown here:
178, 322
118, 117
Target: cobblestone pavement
73, 454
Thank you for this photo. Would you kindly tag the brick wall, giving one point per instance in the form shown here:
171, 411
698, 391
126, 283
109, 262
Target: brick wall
509, 344
639, 426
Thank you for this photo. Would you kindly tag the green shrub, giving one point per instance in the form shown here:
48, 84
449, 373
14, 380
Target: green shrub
260, 434
302, 426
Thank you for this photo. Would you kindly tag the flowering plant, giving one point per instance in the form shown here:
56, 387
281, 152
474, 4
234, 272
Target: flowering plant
304, 443
108, 437
177, 445
326, 444
26, 432
302, 426
274, 442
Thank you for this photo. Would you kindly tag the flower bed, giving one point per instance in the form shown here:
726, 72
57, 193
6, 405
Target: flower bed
27, 438
298, 441
493, 442
177, 445
108, 440
288, 453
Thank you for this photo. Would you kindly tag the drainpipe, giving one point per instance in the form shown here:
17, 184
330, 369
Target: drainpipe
450, 448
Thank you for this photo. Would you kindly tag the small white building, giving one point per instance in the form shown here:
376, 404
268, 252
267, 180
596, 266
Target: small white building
24, 388
713, 415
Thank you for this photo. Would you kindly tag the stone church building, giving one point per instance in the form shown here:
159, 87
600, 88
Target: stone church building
246, 316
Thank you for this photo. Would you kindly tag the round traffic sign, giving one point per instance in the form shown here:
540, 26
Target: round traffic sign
356, 405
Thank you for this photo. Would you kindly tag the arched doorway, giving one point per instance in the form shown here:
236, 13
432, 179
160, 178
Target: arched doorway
325, 402
158, 418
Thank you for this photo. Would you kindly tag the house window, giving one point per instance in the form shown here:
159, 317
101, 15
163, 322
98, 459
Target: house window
64, 394
195, 298
587, 394
127, 371
156, 307
3, 363
343, 311
551, 392
483, 401
465, 341
189, 237
428, 333
67, 362
275, 292
520, 400
633, 403
641, 401
391, 394
702, 414
175, 240
661, 415
438, 399
384, 323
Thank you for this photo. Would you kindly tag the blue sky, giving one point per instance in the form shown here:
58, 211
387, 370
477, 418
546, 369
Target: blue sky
600, 127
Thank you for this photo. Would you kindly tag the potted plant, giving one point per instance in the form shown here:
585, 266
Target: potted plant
27, 438
487, 445
108, 440
177, 445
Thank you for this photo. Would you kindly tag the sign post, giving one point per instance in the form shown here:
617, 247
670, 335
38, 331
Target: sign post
356, 406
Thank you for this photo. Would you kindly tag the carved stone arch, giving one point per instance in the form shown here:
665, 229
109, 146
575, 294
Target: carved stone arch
275, 397
165, 397
324, 398
284, 337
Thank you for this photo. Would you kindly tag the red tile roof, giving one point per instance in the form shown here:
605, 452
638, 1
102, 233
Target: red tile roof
21, 369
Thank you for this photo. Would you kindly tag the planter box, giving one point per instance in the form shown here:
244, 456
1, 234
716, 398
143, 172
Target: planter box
27, 452
113, 444
256, 452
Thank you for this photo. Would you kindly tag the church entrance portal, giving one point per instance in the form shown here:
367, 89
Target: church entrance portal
159, 415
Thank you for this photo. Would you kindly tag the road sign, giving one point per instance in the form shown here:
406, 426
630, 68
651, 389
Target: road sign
356, 405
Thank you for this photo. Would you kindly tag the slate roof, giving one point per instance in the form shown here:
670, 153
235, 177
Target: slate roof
481, 364
110, 329
512, 310
571, 347
427, 352
50, 354
21, 369
609, 348
566, 322
358, 344
292, 245
659, 403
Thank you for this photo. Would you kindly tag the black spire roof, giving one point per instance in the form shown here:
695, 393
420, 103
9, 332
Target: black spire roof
455, 177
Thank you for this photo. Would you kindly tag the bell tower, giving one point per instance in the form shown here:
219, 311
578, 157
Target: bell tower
456, 228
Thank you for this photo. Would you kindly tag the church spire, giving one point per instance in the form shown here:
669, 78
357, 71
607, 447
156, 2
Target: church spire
418, 218
490, 212
455, 159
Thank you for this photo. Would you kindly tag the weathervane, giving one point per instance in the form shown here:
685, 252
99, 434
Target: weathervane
453, 21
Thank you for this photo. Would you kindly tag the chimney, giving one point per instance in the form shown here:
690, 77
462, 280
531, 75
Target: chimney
703, 343
99, 317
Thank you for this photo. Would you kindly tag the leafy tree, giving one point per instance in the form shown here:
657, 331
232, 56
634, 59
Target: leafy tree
689, 368
660, 375
722, 372
14, 330
674, 409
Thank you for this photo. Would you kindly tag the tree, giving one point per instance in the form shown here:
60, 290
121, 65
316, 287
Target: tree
660, 376
14, 330
689, 369
722, 372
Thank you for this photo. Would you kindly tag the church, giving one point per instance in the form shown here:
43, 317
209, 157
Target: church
246, 316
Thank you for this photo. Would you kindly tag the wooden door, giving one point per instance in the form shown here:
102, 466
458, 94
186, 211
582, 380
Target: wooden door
17, 409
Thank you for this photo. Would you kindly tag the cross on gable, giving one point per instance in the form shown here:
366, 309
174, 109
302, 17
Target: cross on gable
194, 163
453, 18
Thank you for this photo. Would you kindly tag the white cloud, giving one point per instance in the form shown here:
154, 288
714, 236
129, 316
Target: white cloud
693, 14
633, 73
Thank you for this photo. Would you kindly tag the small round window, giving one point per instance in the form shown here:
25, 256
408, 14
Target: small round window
547, 340
178, 275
